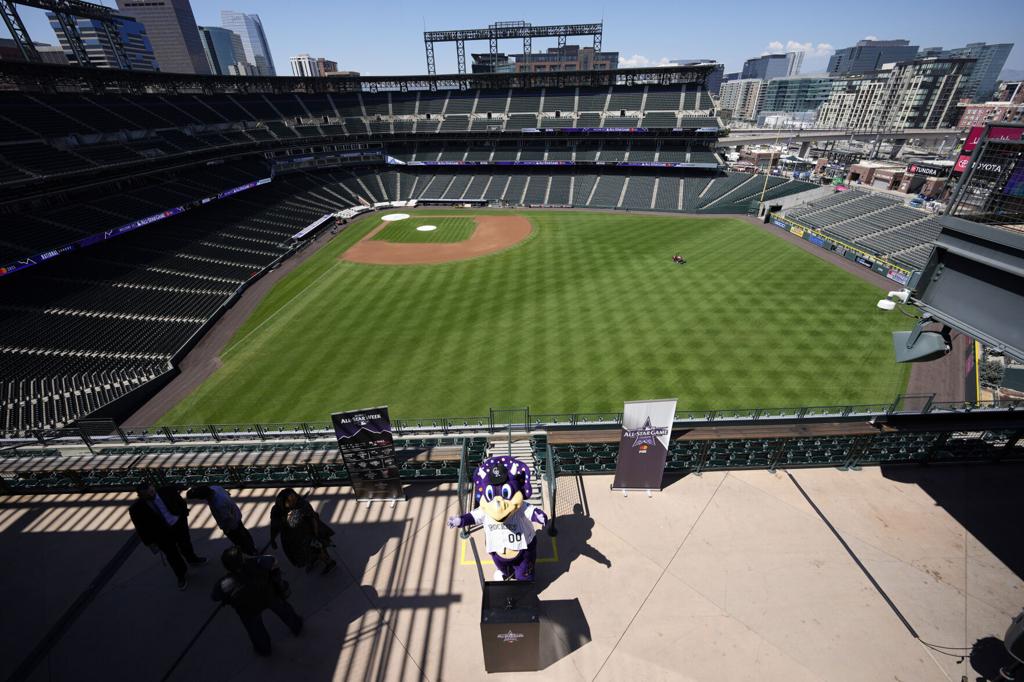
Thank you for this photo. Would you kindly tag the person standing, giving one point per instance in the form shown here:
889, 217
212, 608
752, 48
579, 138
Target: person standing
305, 537
253, 585
161, 520
227, 515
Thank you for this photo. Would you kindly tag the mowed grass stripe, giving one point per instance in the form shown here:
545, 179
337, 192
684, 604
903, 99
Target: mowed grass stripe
448, 230
588, 313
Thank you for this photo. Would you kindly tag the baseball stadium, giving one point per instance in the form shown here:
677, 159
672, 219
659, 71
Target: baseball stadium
197, 272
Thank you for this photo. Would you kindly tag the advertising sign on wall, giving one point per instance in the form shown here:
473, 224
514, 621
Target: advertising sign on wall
918, 169
897, 276
994, 133
973, 138
798, 231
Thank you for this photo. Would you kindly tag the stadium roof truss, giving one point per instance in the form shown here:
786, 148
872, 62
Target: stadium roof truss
504, 30
37, 77
65, 12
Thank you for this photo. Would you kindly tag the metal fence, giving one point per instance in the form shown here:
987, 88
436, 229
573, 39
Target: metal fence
251, 431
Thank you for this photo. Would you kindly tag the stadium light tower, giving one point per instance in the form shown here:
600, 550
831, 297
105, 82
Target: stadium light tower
65, 11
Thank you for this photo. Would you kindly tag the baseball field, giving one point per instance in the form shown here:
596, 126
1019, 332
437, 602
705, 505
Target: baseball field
560, 311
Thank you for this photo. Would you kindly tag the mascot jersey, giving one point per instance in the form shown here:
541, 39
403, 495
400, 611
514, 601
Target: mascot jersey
513, 534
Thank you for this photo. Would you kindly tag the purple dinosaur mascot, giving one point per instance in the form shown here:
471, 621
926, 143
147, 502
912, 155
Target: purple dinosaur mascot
500, 486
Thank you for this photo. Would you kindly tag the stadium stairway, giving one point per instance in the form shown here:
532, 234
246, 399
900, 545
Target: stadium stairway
524, 452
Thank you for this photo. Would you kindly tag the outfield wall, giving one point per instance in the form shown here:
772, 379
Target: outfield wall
896, 273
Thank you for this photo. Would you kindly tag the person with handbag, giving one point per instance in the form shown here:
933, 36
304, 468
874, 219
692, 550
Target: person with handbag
304, 535
253, 585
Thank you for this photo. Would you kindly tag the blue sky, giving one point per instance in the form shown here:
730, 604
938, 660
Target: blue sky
385, 36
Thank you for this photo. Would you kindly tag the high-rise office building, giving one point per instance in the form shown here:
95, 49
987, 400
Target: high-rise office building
254, 40
312, 67
773, 66
101, 53
742, 98
172, 30
223, 48
794, 93
980, 81
869, 55
919, 93
795, 60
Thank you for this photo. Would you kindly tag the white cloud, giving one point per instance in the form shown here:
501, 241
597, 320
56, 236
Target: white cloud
638, 61
870, 37
810, 49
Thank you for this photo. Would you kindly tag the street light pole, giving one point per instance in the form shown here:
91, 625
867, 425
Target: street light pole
771, 157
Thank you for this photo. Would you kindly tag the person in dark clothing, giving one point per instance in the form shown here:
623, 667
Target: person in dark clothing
161, 520
253, 585
227, 515
304, 536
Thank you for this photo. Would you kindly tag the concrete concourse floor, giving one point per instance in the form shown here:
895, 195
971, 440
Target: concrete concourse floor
724, 576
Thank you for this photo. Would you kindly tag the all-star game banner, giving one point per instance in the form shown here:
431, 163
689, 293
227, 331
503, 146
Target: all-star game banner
367, 447
643, 444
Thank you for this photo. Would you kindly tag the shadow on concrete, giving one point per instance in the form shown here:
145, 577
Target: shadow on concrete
563, 629
574, 533
983, 498
673, 478
988, 657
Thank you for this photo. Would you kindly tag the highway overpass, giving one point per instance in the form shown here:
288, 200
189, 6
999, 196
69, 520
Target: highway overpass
807, 137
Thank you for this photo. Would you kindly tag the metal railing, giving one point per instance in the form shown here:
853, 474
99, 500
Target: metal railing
455, 426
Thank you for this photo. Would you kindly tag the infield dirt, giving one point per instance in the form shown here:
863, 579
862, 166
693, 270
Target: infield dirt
492, 234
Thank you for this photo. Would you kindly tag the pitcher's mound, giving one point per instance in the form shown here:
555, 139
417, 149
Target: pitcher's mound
492, 234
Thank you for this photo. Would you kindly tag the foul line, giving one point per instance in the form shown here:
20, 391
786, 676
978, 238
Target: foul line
230, 348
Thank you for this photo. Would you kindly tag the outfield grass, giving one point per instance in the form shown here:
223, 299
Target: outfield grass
587, 313
448, 230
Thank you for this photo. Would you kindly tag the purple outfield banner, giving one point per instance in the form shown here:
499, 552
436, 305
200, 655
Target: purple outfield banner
368, 450
633, 164
643, 444
663, 164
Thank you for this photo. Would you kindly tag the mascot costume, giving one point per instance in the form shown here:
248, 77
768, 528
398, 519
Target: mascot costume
500, 486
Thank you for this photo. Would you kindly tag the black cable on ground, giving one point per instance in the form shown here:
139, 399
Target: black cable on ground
849, 550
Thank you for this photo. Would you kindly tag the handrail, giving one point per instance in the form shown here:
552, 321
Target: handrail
455, 427
549, 469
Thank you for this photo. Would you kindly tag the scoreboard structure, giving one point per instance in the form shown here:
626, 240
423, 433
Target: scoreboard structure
991, 185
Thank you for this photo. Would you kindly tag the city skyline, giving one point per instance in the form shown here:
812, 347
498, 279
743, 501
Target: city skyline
789, 28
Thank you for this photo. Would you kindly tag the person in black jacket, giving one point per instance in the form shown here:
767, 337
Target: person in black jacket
161, 520
305, 537
252, 585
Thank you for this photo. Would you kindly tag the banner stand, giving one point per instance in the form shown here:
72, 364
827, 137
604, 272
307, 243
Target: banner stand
626, 491
367, 448
643, 445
